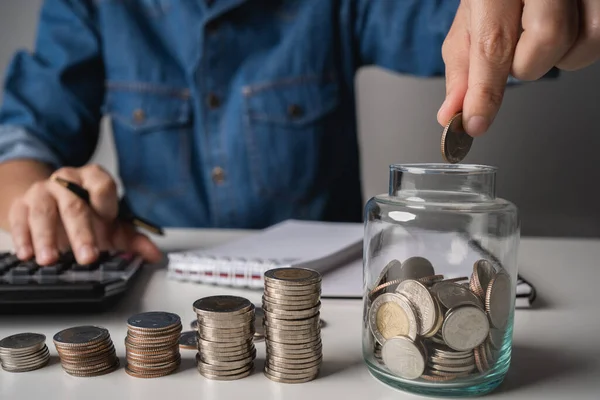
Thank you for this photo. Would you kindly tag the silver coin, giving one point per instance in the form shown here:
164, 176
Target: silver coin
498, 300
16, 359
213, 306
292, 276
154, 320
452, 369
465, 328
485, 273
222, 370
437, 339
27, 363
81, 335
188, 340
390, 272
423, 303
450, 354
227, 377
453, 361
392, 314
416, 268
289, 306
452, 295
22, 342
403, 357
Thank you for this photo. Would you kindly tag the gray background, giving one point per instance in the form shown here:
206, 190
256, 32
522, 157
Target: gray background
545, 141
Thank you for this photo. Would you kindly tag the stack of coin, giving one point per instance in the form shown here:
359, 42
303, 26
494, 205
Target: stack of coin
225, 337
292, 304
152, 344
24, 352
86, 351
452, 327
259, 331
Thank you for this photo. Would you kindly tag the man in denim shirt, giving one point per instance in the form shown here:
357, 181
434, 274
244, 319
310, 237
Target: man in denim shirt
225, 113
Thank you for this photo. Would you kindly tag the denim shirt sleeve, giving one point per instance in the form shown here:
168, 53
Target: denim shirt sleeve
407, 35
404, 35
52, 97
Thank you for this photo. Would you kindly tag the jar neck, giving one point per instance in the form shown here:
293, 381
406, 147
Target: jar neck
443, 182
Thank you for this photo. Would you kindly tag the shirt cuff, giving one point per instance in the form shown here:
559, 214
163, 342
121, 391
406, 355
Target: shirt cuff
18, 143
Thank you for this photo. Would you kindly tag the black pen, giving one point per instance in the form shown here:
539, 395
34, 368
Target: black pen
124, 213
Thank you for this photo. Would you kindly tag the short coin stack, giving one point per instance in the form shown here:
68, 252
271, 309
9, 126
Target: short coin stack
291, 302
86, 351
225, 337
152, 344
24, 352
448, 328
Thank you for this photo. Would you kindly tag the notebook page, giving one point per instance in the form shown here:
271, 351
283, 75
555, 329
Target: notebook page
291, 241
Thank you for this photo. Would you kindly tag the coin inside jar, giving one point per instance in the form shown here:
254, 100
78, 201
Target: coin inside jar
416, 268
498, 300
423, 303
403, 357
452, 295
465, 328
393, 315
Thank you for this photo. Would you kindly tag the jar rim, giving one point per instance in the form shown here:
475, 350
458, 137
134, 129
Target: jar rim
440, 168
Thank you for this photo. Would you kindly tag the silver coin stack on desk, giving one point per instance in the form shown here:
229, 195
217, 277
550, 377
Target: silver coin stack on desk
86, 351
152, 344
447, 328
291, 302
225, 337
24, 352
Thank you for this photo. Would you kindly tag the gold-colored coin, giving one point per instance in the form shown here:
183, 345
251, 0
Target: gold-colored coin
456, 142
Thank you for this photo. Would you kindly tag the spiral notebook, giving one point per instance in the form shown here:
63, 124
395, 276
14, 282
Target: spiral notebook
321, 246
333, 249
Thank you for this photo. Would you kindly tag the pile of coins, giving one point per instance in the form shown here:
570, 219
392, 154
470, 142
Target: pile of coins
152, 344
425, 326
24, 352
86, 351
291, 303
225, 337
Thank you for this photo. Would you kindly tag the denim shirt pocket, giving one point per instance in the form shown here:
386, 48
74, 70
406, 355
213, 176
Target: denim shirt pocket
152, 128
286, 124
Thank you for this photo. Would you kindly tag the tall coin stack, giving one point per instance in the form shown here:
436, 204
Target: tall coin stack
24, 352
152, 344
86, 351
225, 337
291, 302
447, 328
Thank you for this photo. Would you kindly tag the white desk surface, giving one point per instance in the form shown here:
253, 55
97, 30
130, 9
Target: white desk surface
556, 353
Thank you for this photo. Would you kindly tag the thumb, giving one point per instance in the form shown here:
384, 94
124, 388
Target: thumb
142, 245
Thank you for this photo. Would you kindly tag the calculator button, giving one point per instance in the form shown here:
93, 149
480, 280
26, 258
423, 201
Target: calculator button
54, 269
84, 268
26, 268
8, 262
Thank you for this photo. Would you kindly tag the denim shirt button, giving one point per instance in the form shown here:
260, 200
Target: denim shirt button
213, 101
139, 115
295, 111
212, 27
218, 175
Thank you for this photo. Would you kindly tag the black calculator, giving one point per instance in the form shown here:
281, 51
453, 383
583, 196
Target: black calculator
27, 286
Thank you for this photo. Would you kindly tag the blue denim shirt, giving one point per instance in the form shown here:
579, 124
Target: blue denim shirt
225, 113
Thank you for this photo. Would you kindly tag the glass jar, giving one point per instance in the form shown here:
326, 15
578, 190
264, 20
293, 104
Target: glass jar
440, 273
